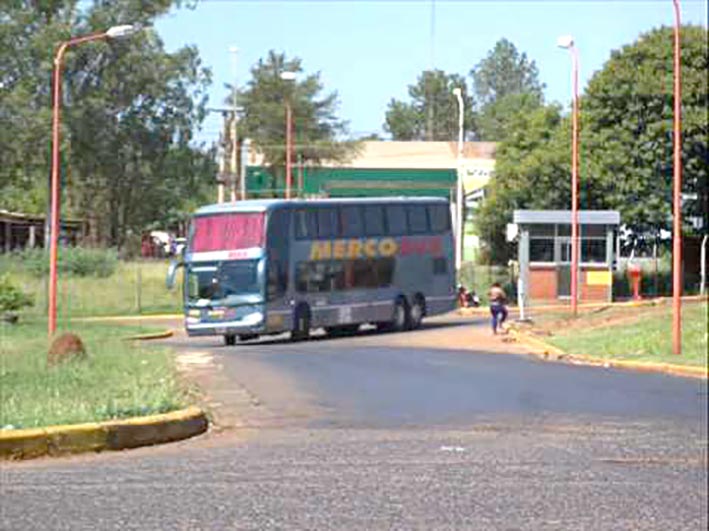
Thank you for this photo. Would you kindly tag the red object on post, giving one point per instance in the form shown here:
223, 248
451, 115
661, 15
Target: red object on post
635, 275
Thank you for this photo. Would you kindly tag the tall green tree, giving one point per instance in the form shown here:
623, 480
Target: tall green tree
626, 149
129, 112
318, 133
433, 111
504, 83
628, 120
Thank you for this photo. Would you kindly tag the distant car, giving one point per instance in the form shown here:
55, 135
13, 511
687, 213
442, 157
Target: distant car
179, 245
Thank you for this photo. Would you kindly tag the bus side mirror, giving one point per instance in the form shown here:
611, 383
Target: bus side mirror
172, 272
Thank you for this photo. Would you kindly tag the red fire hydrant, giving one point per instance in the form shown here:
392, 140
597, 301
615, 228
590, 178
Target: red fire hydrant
635, 273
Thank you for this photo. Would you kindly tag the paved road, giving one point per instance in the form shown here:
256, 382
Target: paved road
443, 428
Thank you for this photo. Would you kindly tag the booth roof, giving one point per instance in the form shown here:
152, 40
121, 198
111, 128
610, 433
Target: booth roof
563, 217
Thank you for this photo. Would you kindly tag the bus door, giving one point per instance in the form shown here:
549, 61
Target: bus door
278, 239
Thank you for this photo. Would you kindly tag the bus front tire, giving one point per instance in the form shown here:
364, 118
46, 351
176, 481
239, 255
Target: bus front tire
301, 324
229, 340
418, 310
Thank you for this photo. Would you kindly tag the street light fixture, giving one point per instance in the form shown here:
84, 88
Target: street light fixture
458, 93
115, 32
567, 42
676, 194
289, 77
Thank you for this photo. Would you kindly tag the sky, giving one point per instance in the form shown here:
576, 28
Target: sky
371, 51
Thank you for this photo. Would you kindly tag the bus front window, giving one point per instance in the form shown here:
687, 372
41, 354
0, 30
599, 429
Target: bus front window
222, 280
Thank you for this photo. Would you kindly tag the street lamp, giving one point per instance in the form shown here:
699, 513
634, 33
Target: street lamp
676, 195
290, 77
234, 138
459, 184
567, 42
116, 32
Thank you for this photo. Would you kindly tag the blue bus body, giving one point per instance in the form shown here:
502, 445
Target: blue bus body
267, 267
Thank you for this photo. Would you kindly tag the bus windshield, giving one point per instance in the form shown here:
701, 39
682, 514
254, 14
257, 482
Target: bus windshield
222, 280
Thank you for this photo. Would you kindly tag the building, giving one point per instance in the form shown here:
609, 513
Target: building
20, 231
383, 168
544, 249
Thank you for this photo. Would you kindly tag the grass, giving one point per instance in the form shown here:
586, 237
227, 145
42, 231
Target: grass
638, 334
135, 288
120, 379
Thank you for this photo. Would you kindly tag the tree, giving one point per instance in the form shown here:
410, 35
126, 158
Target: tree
626, 144
433, 112
628, 119
317, 131
531, 171
504, 82
129, 111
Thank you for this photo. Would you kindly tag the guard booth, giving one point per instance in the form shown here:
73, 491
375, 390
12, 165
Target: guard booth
544, 238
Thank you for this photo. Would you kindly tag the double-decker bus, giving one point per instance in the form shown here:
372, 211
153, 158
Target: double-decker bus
265, 267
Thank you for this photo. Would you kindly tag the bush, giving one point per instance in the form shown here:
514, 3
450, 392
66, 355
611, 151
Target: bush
77, 261
12, 299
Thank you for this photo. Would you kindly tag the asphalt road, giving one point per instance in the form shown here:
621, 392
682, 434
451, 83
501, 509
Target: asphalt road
438, 429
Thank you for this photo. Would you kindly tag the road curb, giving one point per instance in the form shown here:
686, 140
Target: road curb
101, 436
147, 337
545, 351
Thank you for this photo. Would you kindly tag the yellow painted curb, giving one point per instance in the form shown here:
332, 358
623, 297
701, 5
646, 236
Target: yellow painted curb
100, 436
151, 317
146, 337
545, 350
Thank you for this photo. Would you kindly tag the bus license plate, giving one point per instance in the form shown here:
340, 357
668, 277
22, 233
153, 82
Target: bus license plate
220, 330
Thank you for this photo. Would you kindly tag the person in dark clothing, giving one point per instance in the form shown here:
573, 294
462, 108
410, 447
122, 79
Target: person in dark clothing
498, 306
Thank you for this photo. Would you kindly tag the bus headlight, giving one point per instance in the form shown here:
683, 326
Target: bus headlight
252, 318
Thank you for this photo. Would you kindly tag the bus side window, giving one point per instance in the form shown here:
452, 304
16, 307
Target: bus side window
351, 221
328, 227
278, 255
440, 218
306, 224
417, 218
373, 220
396, 220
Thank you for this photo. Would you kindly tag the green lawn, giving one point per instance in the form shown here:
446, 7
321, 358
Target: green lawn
646, 337
136, 287
119, 379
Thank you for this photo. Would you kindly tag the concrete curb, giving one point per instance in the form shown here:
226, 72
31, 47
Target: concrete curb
548, 352
101, 436
147, 337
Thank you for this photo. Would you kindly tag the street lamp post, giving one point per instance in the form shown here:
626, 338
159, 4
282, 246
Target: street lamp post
459, 185
115, 32
567, 42
234, 138
676, 194
289, 76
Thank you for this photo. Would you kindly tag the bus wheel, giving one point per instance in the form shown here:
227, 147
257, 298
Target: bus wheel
401, 316
301, 324
418, 309
229, 340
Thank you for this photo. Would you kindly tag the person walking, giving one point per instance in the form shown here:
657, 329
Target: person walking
498, 306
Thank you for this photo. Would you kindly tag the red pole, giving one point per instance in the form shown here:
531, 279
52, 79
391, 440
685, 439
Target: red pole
289, 175
677, 204
575, 185
54, 208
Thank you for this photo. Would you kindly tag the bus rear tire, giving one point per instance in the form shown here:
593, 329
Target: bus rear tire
400, 318
301, 324
229, 340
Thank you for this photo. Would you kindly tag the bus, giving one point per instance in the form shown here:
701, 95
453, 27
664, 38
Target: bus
263, 267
